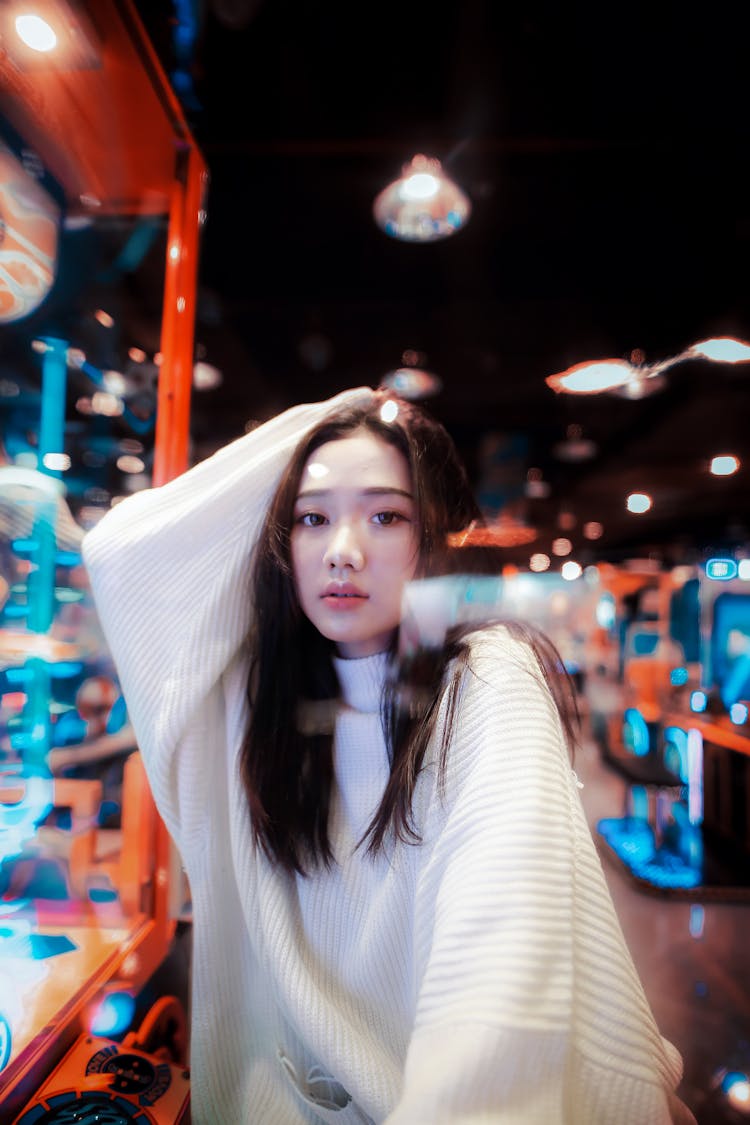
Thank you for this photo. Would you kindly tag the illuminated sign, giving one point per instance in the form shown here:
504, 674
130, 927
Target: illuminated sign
721, 570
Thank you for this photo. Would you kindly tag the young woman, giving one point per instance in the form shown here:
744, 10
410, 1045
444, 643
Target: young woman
399, 913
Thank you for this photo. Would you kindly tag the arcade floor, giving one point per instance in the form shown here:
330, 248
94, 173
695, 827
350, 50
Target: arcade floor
698, 986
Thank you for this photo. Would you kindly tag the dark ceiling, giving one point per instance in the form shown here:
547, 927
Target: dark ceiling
604, 152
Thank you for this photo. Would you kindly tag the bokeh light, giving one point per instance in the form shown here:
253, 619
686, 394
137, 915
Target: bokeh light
724, 465
638, 502
571, 570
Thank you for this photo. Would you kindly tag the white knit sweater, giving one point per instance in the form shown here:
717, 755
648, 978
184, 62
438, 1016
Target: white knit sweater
479, 977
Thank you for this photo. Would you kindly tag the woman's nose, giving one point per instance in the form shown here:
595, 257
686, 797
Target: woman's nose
344, 549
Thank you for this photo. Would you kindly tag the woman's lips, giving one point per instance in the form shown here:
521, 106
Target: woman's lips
343, 597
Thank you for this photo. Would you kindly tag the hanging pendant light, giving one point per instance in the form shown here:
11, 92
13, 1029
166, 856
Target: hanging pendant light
424, 205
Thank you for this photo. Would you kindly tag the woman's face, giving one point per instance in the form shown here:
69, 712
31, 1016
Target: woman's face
354, 541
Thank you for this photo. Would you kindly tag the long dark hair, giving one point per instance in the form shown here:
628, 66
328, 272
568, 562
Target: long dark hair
287, 756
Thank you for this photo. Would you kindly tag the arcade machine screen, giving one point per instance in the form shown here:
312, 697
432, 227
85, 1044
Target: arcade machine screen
730, 649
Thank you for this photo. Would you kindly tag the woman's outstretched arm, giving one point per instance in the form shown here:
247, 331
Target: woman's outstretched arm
529, 1008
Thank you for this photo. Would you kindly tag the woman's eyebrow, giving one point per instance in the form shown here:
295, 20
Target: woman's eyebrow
378, 490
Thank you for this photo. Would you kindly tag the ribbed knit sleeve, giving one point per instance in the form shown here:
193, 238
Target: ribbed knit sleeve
170, 571
529, 1008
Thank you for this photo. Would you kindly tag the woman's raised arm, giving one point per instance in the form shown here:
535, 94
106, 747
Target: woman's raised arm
170, 567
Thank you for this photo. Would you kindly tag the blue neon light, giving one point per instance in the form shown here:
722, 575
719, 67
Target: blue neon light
113, 1015
633, 841
697, 920
676, 752
735, 1081
635, 732
721, 570
606, 612
678, 677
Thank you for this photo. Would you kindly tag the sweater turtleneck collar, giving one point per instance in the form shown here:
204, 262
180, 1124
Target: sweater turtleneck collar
362, 680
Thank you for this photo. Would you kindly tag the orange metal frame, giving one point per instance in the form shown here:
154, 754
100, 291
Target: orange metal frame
115, 138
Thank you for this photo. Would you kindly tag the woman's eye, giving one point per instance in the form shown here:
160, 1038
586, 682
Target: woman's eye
311, 519
385, 519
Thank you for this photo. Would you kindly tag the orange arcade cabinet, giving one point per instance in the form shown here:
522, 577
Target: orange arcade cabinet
102, 193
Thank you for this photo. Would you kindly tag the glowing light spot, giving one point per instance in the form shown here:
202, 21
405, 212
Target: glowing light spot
104, 318
539, 562
180, 304
39, 347
129, 463
723, 349
561, 547
75, 357
113, 1014
724, 465
421, 185
389, 411
697, 920
698, 701
738, 713
131, 965
695, 776
606, 611
638, 502
590, 378
106, 404
174, 252
36, 33
743, 570
593, 530
678, 677
206, 376
571, 570
137, 355
317, 470
114, 382
56, 461
736, 1085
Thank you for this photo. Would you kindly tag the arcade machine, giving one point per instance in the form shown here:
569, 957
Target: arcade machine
639, 662
99, 179
693, 836
707, 728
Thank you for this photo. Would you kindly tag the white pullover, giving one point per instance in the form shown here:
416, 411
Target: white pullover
481, 976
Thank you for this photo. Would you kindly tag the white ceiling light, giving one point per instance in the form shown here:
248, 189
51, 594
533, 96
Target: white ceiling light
631, 379
423, 205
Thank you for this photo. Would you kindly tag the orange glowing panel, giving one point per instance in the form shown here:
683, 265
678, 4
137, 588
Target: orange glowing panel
29, 224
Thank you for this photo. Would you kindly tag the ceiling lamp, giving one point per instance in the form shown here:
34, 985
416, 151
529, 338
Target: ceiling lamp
424, 205
631, 380
49, 32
